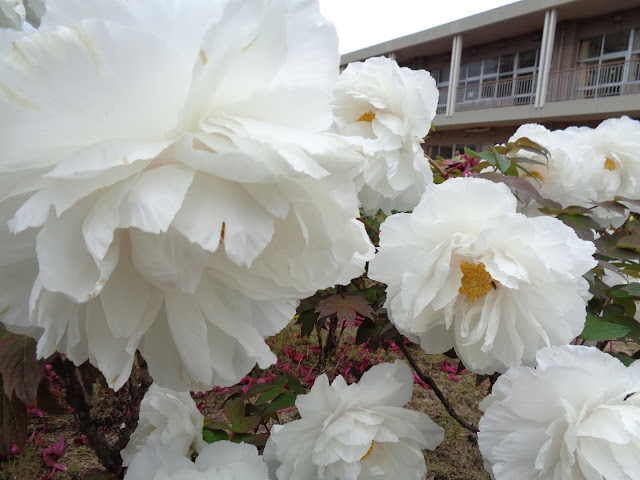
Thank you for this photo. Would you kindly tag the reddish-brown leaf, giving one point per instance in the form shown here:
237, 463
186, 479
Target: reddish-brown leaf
21, 372
345, 307
13, 422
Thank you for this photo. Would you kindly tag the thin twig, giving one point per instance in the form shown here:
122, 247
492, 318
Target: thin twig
429, 381
436, 166
369, 226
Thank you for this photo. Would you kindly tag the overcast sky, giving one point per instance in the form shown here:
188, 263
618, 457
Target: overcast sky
361, 23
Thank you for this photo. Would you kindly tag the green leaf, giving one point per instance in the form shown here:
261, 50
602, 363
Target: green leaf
307, 322
13, 422
632, 242
270, 394
247, 424
21, 372
234, 410
259, 388
208, 424
295, 385
243, 437
629, 290
285, 400
503, 162
582, 224
625, 359
600, 331
211, 436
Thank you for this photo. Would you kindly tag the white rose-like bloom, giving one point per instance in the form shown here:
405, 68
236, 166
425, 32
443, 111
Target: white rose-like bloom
219, 461
616, 142
465, 271
575, 416
20, 14
168, 184
390, 108
357, 432
571, 175
167, 419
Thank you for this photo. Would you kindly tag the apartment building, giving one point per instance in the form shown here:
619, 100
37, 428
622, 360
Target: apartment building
555, 62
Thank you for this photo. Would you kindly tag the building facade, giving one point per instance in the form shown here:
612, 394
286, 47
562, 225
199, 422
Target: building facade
554, 62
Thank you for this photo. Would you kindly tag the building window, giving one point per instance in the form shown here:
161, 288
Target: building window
498, 81
448, 151
609, 64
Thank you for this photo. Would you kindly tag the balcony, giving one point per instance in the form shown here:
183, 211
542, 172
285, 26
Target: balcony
595, 81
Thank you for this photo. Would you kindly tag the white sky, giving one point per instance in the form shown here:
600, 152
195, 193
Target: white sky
361, 23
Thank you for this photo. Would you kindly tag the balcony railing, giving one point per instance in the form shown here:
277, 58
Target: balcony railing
497, 93
594, 81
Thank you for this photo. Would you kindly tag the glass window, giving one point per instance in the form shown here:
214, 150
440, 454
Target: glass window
506, 63
446, 151
636, 41
444, 75
527, 59
490, 66
591, 47
617, 42
474, 68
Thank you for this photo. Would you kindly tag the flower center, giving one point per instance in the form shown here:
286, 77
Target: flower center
222, 233
610, 164
476, 281
369, 451
367, 117
535, 174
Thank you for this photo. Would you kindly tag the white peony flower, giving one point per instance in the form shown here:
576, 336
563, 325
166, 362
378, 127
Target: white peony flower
356, 432
616, 142
168, 184
167, 419
571, 175
219, 461
20, 14
464, 270
575, 416
390, 108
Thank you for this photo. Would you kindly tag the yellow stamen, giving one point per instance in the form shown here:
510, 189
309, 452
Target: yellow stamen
367, 117
222, 233
476, 281
369, 451
610, 164
535, 174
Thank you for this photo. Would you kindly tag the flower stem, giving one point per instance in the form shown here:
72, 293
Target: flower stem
369, 226
437, 167
429, 381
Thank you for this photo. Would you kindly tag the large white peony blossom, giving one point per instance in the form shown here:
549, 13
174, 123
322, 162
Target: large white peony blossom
356, 432
571, 175
616, 142
464, 270
219, 461
575, 416
167, 183
167, 419
20, 14
390, 110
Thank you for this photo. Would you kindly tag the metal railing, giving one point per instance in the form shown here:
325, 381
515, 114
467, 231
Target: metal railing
592, 81
498, 93
443, 92
595, 81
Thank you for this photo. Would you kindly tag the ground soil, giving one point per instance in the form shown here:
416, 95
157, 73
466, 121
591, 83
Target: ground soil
457, 458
